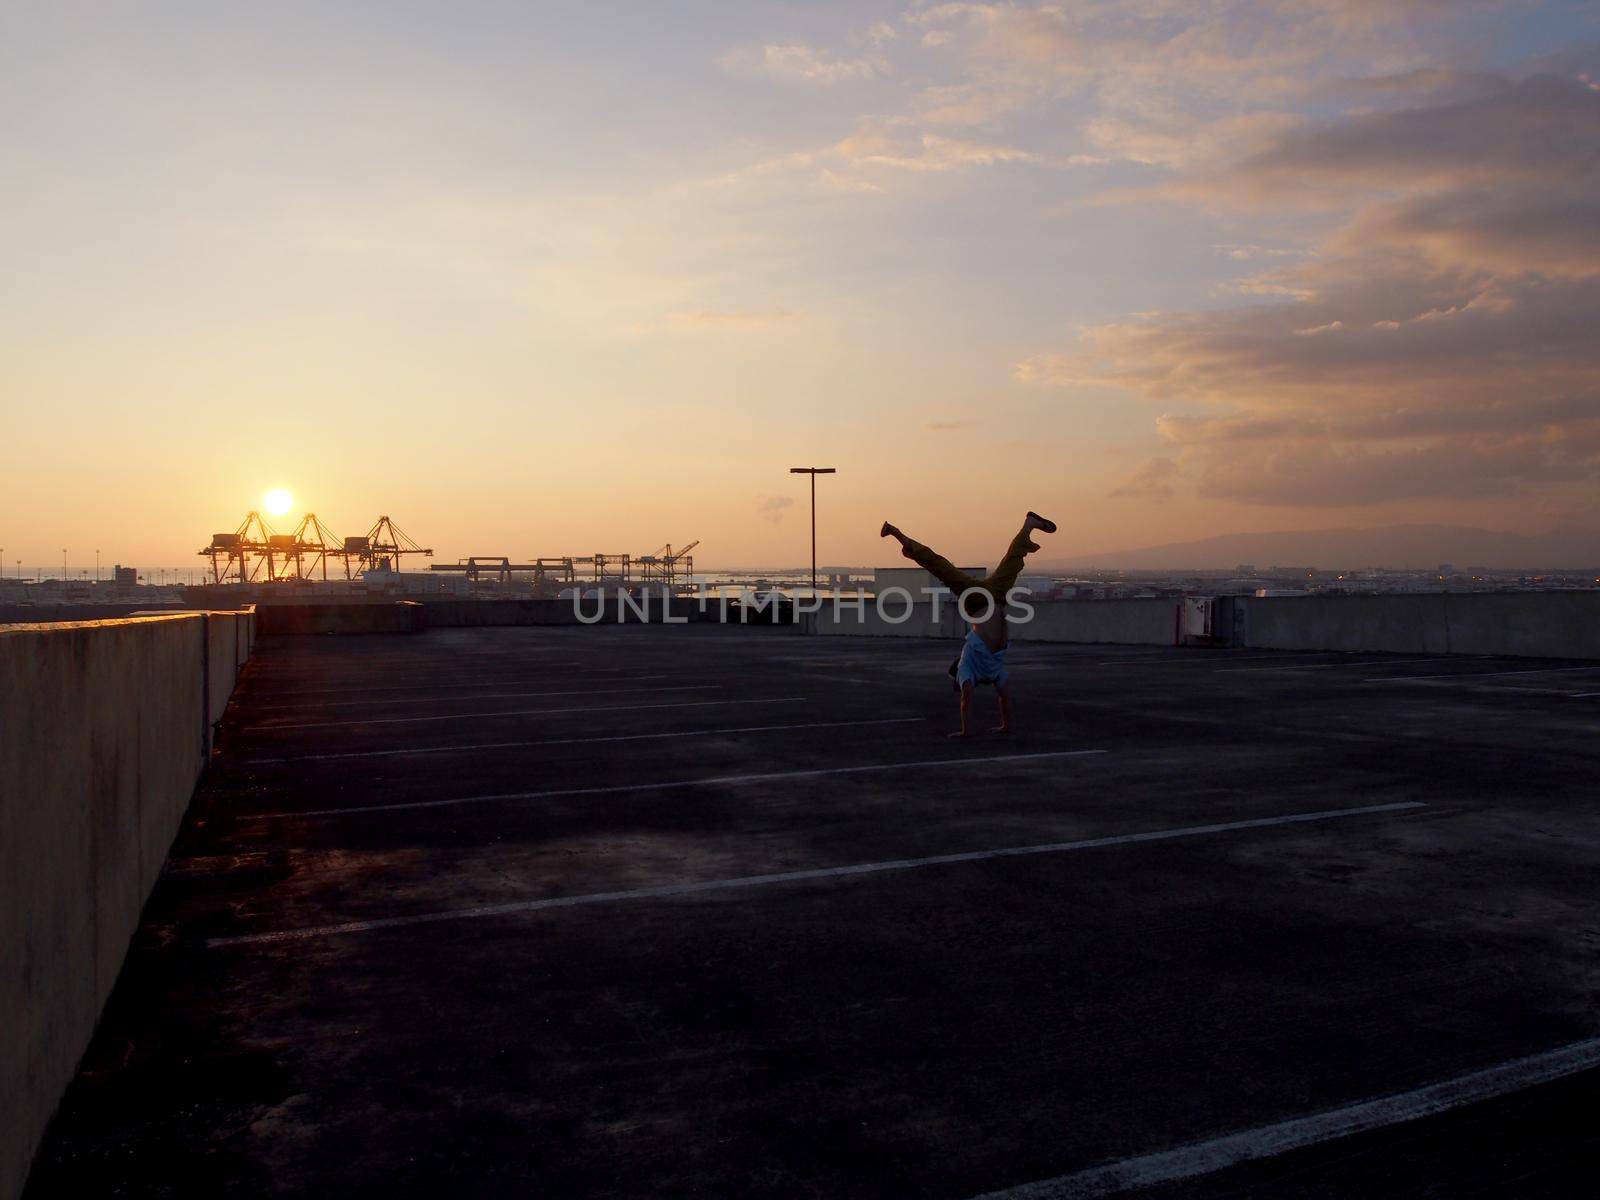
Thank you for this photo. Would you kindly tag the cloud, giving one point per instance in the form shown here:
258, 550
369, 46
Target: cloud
772, 508
1244, 252
1153, 481
948, 426
1435, 341
1031, 45
799, 63
964, 104
1551, 230
835, 181
1318, 475
1416, 243
1538, 132
1185, 140
879, 147
872, 147
1165, 82
1393, 331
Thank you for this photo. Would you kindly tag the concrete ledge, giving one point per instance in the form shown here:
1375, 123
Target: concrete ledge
848, 621
1125, 622
1120, 622
410, 616
455, 614
1518, 624
11, 614
1521, 624
104, 728
402, 616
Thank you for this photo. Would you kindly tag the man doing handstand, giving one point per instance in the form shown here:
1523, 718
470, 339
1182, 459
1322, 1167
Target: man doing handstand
983, 654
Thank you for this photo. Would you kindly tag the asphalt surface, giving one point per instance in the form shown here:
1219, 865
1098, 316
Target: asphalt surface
556, 912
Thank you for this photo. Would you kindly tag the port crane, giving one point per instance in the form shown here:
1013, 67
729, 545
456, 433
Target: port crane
668, 567
240, 556
379, 549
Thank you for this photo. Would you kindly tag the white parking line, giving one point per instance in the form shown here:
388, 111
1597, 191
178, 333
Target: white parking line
524, 712
1371, 662
709, 781
491, 696
1176, 655
401, 667
617, 737
1182, 657
749, 881
1269, 1141
1478, 674
412, 687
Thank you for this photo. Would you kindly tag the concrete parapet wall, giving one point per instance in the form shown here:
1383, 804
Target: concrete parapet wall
11, 614
385, 616
1122, 622
845, 620
229, 636
104, 728
1129, 622
1521, 624
451, 614
410, 616
1518, 624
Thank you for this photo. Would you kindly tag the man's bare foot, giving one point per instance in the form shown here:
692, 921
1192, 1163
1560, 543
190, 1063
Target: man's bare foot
1001, 729
888, 530
1035, 521
958, 733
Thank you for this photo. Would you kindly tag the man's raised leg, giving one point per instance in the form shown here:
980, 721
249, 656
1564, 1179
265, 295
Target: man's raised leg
1004, 577
941, 568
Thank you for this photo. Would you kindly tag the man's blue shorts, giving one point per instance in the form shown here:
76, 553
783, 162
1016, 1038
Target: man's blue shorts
979, 664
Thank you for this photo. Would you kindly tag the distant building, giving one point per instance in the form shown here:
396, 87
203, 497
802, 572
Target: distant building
125, 578
913, 579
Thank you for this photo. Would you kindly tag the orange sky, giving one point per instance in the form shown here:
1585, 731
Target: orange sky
539, 284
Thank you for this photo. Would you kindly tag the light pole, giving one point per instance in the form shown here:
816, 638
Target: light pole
97, 566
813, 472
63, 566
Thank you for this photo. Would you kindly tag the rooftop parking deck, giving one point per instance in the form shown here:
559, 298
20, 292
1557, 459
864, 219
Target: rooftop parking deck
666, 911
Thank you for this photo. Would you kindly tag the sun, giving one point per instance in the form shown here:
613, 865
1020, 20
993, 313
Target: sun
277, 502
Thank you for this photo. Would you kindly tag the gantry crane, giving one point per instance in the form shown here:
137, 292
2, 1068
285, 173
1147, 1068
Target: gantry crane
239, 556
667, 568
380, 549
311, 540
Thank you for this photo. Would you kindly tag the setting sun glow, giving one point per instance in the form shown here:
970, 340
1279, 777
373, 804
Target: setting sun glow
277, 502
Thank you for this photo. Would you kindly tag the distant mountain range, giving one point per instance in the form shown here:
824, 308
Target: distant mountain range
1398, 546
